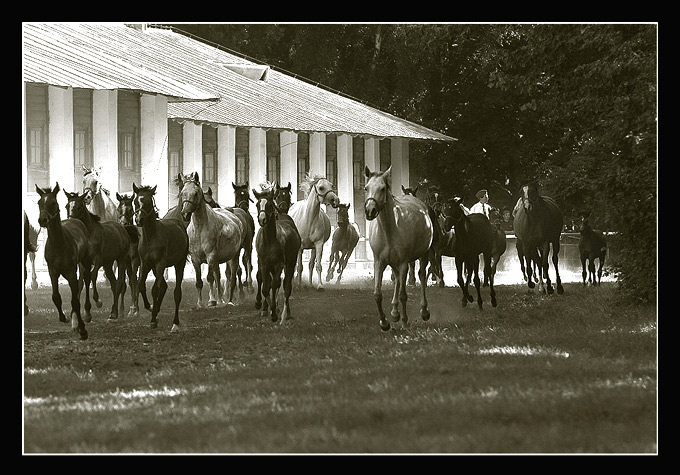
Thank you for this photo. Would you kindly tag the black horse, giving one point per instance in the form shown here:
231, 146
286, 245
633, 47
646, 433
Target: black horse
344, 240
592, 245
66, 253
278, 243
538, 224
163, 243
474, 236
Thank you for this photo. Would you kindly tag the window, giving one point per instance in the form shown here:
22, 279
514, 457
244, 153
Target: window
385, 154
358, 163
242, 164
302, 162
35, 147
332, 158
174, 165
273, 155
79, 148
127, 151
209, 168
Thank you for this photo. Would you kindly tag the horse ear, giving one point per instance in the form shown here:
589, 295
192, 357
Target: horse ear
134, 188
387, 176
415, 190
367, 172
256, 194
233, 185
195, 178
403, 189
153, 190
39, 190
56, 188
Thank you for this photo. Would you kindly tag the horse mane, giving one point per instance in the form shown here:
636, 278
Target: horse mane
267, 186
308, 182
145, 188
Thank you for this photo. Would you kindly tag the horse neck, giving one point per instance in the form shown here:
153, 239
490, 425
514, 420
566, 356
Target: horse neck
386, 216
312, 206
87, 220
55, 232
203, 214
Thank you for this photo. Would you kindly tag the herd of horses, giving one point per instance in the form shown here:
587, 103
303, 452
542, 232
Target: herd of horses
401, 229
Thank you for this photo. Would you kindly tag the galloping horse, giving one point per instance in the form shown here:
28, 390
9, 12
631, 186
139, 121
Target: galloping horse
312, 222
592, 245
215, 237
278, 245
65, 251
345, 239
125, 217
98, 200
163, 243
538, 223
473, 237
499, 242
241, 200
399, 231
108, 242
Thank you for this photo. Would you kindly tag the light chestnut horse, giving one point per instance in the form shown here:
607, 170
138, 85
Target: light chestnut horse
312, 222
214, 238
345, 239
98, 200
399, 231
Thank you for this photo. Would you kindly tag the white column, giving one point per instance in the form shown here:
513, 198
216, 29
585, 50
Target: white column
154, 141
226, 168
61, 141
400, 163
289, 141
257, 147
372, 154
317, 154
192, 148
105, 137
346, 171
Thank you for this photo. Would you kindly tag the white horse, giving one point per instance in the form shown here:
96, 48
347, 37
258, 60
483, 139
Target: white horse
312, 222
99, 201
399, 231
214, 238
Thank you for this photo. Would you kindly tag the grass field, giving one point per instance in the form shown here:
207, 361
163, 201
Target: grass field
572, 373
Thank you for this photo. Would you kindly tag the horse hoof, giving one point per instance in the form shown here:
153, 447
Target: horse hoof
212, 303
531, 285
153, 325
83, 335
231, 304
465, 302
175, 328
560, 290
425, 314
320, 289
98, 304
395, 316
275, 318
258, 305
87, 318
470, 299
112, 318
384, 325
494, 304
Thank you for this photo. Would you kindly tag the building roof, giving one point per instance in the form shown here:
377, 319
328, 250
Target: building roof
249, 94
94, 57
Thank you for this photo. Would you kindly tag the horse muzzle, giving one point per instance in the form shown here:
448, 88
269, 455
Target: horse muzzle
371, 209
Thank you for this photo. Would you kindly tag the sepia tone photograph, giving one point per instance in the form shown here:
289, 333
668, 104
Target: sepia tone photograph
340, 238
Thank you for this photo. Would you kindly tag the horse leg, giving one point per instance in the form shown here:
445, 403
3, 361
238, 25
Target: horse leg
248, 266
490, 269
241, 294
411, 269
258, 295
56, 297
528, 255
477, 281
599, 271
34, 277
287, 289
344, 258
319, 267
86, 277
76, 323
108, 271
403, 296
583, 268
179, 276
461, 283
276, 284
95, 273
157, 293
312, 261
545, 265
378, 269
400, 283
134, 291
232, 267
422, 275
556, 259
520, 257
332, 261
266, 289
199, 281
122, 287
299, 268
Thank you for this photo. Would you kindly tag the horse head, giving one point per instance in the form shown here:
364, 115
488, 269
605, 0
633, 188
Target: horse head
266, 209
47, 204
191, 196
452, 210
343, 215
241, 195
409, 191
208, 197
529, 196
583, 225
325, 192
125, 209
377, 187
91, 184
282, 197
144, 204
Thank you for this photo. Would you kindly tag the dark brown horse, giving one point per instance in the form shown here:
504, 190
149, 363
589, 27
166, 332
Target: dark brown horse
592, 245
538, 224
65, 252
283, 198
108, 242
278, 244
344, 240
163, 243
474, 236
126, 218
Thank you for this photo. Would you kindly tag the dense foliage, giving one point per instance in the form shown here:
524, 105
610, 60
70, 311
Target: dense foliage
572, 106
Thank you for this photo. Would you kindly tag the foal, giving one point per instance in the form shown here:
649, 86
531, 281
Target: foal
345, 239
108, 242
592, 245
65, 251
